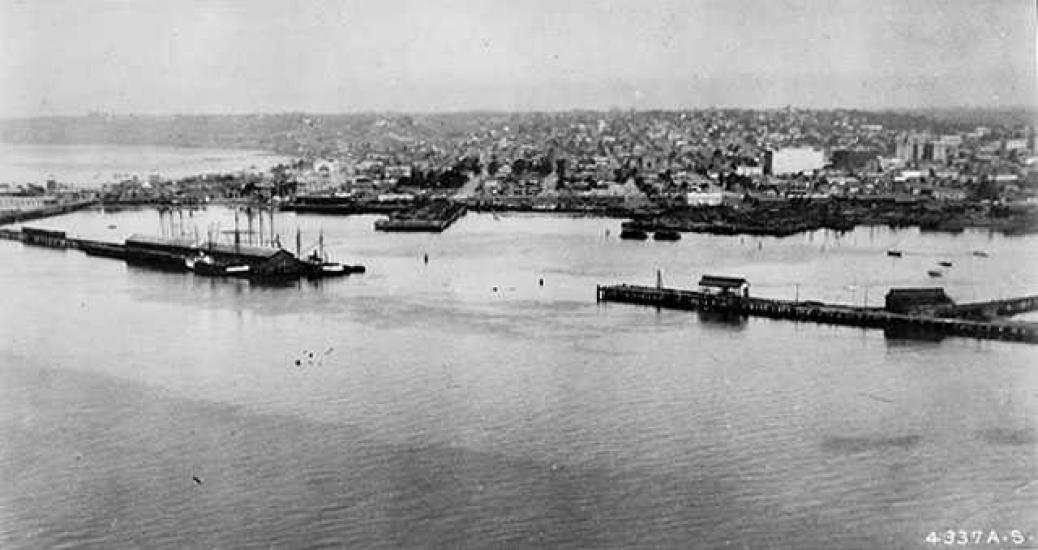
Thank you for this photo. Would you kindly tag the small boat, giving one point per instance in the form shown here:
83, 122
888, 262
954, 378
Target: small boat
318, 267
636, 234
980, 254
934, 273
203, 264
667, 235
944, 263
894, 253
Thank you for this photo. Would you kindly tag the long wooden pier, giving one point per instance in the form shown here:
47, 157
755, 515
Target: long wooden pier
16, 216
993, 308
816, 312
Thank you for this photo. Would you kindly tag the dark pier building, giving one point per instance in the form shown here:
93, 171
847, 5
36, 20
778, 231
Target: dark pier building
917, 301
159, 251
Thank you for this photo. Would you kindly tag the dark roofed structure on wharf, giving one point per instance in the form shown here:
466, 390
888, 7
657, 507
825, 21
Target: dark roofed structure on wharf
917, 300
44, 237
172, 253
716, 284
159, 251
262, 261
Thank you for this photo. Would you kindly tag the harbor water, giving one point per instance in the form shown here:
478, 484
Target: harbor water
483, 399
95, 165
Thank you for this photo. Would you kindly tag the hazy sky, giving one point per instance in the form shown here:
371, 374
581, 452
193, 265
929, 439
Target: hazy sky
194, 56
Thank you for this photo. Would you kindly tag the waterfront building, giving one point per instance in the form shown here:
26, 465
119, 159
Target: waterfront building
160, 251
43, 237
853, 159
916, 300
21, 202
716, 284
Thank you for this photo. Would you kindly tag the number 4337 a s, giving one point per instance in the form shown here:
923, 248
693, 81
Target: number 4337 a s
963, 537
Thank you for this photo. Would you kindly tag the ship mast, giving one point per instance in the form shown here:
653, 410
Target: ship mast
272, 222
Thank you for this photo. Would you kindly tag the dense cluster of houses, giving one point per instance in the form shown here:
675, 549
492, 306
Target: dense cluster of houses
697, 157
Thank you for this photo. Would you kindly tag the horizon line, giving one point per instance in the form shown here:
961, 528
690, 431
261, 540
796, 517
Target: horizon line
395, 112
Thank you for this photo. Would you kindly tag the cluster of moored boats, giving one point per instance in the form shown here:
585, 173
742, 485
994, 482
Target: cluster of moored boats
210, 258
275, 262
312, 267
894, 253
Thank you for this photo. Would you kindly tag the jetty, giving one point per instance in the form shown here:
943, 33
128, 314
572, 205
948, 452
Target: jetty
433, 217
921, 319
172, 254
15, 216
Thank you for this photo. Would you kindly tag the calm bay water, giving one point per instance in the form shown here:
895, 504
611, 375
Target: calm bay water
94, 165
429, 410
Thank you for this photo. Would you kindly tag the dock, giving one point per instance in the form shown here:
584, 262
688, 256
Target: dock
434, 218
834, 314
263, 263
15, 216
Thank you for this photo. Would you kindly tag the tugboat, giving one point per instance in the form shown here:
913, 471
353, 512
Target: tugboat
934, 273
944, 263
317, 263
894, 253
667, 235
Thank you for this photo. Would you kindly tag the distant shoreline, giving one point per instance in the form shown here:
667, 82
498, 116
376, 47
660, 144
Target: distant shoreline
95, 164
301, 134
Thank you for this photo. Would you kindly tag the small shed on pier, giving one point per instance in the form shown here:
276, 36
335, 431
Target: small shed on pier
917, 300
716, 284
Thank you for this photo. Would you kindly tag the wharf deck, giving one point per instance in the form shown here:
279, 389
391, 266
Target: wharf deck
993, 308
834, 314
17, 216
429, 222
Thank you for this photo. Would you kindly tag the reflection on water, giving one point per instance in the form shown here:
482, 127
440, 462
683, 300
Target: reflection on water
414, 406
722, 319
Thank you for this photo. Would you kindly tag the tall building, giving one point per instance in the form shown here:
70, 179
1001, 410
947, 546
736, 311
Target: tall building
911, 147
854, 159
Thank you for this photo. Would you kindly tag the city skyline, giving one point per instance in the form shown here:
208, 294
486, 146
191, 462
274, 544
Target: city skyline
199, 57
